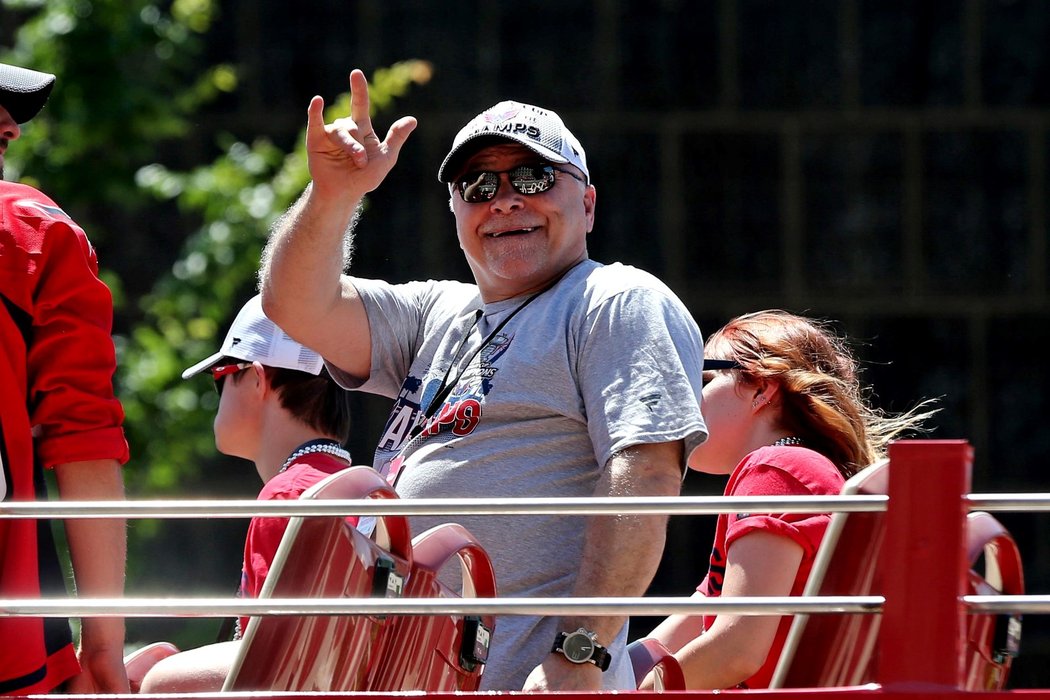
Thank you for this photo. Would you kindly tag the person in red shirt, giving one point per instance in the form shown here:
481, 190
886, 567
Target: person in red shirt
787, 416
57, 411
278, 408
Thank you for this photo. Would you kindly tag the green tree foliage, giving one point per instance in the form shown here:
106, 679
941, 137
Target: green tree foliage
129, 78
237, 198
130, 86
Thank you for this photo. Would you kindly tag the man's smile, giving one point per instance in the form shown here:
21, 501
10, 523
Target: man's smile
511, 232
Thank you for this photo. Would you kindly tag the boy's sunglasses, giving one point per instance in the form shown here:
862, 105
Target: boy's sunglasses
477, 187
219, 373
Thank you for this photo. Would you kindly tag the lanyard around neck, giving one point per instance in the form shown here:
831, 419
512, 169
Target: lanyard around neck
445, 388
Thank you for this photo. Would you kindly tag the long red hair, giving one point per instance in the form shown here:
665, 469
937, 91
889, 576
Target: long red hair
822, 400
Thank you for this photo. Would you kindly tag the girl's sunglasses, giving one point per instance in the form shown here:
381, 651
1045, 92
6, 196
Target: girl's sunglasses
477, 187
710, 365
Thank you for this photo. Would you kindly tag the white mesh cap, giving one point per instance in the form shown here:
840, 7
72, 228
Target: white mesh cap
538, 129
255, 338
23, 92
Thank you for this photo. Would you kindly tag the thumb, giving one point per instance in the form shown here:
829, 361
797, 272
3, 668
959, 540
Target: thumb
398, 134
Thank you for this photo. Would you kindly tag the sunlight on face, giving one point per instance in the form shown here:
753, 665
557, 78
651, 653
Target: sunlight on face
518, 243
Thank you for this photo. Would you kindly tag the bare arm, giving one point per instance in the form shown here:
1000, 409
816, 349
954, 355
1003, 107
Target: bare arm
302, 287
620, 555
678, 630
98, 549
736, 646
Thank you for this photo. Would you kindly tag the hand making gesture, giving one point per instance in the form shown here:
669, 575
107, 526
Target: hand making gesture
346, 157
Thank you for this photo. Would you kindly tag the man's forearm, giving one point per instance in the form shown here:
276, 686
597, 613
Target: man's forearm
622, 552
97, 547
303, 289
311, 242
91, 540
620, 559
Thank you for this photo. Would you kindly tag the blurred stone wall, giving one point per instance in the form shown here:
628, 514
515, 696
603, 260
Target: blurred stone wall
879, 163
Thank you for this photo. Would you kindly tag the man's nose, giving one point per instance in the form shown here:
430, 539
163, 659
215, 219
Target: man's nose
9, 128
506, 198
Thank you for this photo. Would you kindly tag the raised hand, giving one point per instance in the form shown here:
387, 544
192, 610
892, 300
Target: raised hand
346, 158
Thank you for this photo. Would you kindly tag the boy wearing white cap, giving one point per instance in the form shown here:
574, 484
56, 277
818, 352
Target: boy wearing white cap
278, 408
57, 412
551, 375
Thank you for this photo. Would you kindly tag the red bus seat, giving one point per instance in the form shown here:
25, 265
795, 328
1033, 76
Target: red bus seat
649, 655
838, 650
325, 557
440, 652
841, 650
992, 641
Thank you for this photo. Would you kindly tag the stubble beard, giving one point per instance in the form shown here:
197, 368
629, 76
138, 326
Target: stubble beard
515, 259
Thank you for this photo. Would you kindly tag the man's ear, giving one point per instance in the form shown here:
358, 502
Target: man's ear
590, 201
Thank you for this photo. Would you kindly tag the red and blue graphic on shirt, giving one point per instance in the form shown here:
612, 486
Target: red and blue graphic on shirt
459, 414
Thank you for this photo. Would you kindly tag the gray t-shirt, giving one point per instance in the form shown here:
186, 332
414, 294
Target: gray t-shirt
541, 393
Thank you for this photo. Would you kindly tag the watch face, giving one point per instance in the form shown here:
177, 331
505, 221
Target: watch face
578, 647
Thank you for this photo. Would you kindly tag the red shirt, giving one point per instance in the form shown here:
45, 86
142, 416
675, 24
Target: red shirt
264, 534
774, 471
56, 383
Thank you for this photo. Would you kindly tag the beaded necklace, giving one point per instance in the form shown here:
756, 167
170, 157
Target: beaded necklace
788, 441
320, 445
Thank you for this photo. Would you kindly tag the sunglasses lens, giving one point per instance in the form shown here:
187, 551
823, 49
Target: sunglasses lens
526, 180
532, 179
218, 384
478, 187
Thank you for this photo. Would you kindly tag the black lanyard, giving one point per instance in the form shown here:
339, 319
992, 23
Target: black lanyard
445, 388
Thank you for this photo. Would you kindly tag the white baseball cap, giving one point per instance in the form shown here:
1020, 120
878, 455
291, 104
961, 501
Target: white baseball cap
255, 338
538, 129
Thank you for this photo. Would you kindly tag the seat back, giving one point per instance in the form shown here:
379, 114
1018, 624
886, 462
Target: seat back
649, 655
992, 641
440, 652
325, 557
840, 649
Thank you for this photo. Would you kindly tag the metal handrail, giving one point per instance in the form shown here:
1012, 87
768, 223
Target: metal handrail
1012, 502
671, 505
656, 605
1000, 604
442, 506
220, 607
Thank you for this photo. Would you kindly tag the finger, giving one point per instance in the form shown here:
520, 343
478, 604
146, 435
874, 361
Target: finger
398, 134
315, 121
345, 135
360, 103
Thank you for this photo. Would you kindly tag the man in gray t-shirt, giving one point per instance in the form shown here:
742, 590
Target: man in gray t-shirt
553, 375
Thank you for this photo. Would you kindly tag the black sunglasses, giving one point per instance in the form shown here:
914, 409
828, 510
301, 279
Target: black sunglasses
477, 187
721, 364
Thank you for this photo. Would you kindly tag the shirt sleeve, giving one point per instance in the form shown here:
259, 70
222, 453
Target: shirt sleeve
71, 359
806, 529
260, 547
261, 543
398, 318
639, 367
